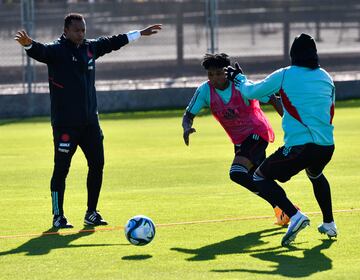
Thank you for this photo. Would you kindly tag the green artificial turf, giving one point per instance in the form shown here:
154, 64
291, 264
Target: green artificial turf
207, 226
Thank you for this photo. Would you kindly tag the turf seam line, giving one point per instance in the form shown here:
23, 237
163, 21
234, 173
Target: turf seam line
163, 225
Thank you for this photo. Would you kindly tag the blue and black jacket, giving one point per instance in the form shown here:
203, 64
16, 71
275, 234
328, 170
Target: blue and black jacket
71, 72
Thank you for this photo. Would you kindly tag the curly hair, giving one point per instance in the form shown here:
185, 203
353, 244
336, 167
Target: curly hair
215, 60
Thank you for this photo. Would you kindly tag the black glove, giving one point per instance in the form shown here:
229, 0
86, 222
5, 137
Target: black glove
231, 72
187, 122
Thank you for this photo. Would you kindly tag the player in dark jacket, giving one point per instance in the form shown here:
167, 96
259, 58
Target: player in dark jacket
74, 116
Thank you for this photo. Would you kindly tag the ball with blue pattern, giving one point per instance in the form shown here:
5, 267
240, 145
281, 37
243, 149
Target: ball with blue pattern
140, 230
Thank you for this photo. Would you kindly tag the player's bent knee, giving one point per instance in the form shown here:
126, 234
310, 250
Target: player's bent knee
313, 176
242, 161
238, 177
239, 174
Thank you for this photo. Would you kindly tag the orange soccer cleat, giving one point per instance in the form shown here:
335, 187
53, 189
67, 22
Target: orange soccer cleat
281, 218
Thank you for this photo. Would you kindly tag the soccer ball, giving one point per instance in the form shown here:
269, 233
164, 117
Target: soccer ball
140, 230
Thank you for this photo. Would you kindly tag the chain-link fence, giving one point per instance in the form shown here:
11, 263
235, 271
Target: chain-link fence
251, 30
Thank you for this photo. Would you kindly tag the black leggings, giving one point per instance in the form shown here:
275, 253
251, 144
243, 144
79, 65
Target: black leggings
287, 162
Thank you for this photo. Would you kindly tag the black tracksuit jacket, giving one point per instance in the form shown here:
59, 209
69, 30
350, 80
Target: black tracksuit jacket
71, 72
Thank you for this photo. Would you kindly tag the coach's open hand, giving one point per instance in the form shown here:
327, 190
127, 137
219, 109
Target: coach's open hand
23, 39
150, 30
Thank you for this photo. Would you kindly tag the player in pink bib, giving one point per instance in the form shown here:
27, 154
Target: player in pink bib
238, 118
242, 119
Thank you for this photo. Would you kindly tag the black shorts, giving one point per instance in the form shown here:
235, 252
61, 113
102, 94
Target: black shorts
288, 161
253, 148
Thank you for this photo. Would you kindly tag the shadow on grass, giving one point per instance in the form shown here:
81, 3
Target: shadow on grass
237, 245
314, 261
43, 244
136, 257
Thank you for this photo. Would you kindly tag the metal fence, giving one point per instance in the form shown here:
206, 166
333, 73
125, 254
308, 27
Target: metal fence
251, 30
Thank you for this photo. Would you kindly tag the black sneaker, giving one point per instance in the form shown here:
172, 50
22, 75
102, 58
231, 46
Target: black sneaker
94, 218
60, 221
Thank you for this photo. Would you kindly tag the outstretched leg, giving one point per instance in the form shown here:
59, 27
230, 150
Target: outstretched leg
282, 165
322, 194
321, 187
248, 157
239, 173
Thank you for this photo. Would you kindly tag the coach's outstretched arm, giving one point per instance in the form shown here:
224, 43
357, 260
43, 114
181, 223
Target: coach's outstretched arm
23, 38
107, 44
41, 52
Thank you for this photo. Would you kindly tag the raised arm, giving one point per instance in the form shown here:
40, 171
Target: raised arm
23, 38
36, 50
104, 45
256, 90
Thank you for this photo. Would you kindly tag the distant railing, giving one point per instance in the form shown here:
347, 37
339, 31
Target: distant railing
244, 28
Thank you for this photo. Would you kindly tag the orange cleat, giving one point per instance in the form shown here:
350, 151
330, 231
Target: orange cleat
281, 218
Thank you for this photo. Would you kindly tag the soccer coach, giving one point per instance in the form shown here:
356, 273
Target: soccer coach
74, 116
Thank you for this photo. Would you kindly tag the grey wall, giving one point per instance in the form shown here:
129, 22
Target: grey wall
22, 105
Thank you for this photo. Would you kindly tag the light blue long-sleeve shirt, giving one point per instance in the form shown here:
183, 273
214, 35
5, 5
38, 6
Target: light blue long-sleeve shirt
201, 98
310, 92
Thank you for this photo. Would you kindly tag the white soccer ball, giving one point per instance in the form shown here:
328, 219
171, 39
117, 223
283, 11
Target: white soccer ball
140, 230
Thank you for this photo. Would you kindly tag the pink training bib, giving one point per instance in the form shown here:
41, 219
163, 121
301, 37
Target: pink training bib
238, 119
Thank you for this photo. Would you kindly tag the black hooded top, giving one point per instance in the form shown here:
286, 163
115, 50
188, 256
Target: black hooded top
303, 52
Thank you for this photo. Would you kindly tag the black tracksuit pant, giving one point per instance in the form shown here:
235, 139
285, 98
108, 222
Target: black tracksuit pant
66, 140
